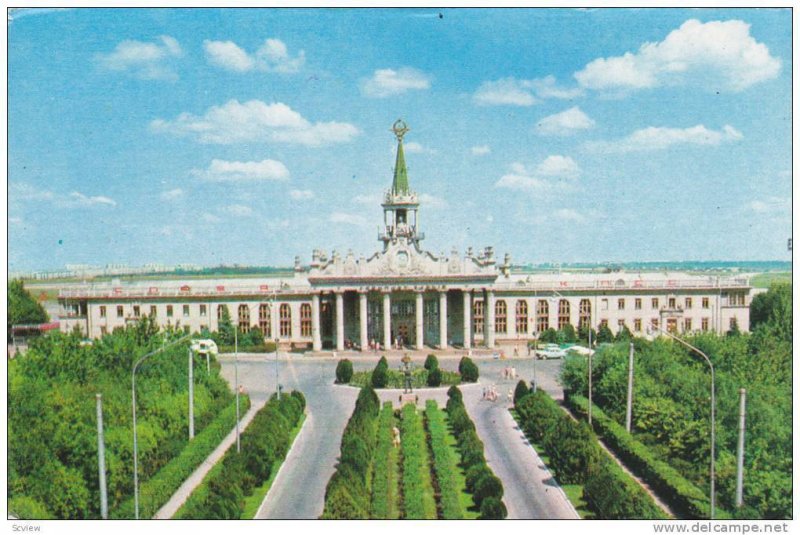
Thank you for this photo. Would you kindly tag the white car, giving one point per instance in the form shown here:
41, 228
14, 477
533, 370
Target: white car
551, 351
202, 347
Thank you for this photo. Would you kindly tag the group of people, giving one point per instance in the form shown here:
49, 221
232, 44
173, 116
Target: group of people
509, 372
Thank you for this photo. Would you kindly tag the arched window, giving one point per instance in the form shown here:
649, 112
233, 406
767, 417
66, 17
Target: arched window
500, 317
563, 313
305, 319
286, 321
522, 317
542, 316
244, 318
264, 324
477, 317
585, 317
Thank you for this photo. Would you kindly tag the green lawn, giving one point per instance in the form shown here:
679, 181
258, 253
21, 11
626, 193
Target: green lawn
764, 280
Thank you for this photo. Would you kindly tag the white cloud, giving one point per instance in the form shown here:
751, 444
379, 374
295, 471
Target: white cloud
412, 147
659, 138
373, 199
480, 150
772, 205
172, 194
565, 123
255, 121
432, 202
79, 199
238, 210
388, 82
513, 92
210, 218
301, 194
14, 220
21, 192
145, 60
348, 219
225, 171
554, 173
715, 54
568, 214
272, 56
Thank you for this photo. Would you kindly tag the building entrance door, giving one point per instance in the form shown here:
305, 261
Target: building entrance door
672, 325
403, 321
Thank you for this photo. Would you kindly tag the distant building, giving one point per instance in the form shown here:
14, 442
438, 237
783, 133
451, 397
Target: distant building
403, 294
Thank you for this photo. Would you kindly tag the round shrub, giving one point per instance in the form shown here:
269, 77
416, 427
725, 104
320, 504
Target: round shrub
493, 509
344, 371
454, 393
299, 397
380, 375
431, 362
487, 486
474, 474
469, 370
520, 391
435, 377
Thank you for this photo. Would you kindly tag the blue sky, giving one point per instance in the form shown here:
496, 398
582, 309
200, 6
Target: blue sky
251, 136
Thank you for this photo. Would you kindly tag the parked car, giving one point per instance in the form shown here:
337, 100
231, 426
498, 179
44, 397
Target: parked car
202, 347
551, 351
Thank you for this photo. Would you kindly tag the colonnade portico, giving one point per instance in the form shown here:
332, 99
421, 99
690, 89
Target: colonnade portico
363, 324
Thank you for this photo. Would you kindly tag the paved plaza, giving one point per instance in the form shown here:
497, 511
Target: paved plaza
299, 489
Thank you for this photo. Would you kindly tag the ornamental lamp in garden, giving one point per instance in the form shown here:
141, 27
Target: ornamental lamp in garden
406, 360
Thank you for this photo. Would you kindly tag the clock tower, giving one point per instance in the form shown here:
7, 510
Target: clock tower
400, 203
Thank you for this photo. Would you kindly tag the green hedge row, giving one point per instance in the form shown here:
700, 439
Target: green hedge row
384, 486
444, 463
486, 488
347, 495
264, 444
468, 370
418, 500
683, 497
577, 458
155, 492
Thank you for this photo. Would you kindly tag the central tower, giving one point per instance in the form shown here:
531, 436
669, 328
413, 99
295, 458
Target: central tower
400, 204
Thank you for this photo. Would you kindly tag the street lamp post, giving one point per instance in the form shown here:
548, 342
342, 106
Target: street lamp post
713, 411
133, 408
277, 385
236, 381
535, 347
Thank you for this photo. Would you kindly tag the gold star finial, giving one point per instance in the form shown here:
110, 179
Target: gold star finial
400, 128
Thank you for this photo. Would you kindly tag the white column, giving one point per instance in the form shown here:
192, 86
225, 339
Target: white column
387, 321
488, 326
362, 319
316, 343
418, 309
467, 319
443, 320
339, 321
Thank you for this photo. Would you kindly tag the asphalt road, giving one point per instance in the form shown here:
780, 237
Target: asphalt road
299, 489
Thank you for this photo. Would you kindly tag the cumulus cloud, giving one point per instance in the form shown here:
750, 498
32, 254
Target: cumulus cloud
172, 194
659, 138
432, 202
21, 192
389, 82
255, 121
412, 147
225, 171
565, 123
554, 173
272, 56
480, 150
717, 54
348, 219
301, 194
514, 92
238, 210
145, 60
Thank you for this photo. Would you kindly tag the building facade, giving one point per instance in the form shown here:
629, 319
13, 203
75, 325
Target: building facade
405, 296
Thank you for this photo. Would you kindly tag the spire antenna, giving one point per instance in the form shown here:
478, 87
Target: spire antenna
400, 128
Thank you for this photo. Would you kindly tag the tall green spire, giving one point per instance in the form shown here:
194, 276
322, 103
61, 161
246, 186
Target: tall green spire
400, 182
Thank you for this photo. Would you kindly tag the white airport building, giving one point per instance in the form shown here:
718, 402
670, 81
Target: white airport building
404, 295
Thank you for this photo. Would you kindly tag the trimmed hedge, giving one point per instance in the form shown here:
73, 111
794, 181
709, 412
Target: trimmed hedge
418, 501
431, 362
576, 457
347, 495
480, 479
444, 464
265, 443
683, 497
384, 485
344, 371
468, 370
157, 490
520, 391
380, 375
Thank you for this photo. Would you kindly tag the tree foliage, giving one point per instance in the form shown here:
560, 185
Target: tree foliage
22, 307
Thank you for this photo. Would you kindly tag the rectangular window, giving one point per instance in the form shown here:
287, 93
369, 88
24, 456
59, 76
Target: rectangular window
153, 311
705, 302
186, 329
136, 311
102, 311
687, 325
542, 316
120, 311
732, 323
203, 310
671, 303
654, 323
604, 304
637, 325
620, 324
620, 304
637, 303
688, 302
654, 303
169, 311
185, 311
704, 324
477, 317
103, 330
603, 323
